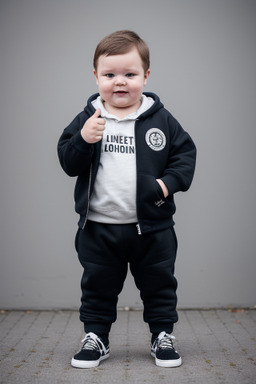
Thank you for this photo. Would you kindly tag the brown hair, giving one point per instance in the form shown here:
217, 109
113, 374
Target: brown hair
120, 42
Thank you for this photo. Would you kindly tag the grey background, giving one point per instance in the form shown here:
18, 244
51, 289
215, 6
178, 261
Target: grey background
203, 61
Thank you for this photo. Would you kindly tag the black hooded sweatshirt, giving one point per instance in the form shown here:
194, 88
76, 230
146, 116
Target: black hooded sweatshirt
163, 151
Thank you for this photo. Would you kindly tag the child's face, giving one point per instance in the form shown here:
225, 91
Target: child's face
120, 80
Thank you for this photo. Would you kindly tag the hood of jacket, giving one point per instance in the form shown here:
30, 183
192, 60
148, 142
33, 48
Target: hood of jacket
90, 110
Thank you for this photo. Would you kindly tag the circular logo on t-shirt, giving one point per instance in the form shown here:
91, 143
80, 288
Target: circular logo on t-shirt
155, 139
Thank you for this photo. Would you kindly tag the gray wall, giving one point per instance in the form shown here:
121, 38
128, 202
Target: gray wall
202, 66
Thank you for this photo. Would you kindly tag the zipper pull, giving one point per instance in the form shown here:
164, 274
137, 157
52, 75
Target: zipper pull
138, 229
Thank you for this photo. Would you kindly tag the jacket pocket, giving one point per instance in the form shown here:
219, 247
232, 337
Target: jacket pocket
151, 201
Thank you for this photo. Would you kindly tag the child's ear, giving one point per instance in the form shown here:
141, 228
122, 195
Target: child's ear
95, 75
147, 73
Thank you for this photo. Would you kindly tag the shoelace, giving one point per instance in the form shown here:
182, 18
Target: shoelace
90, 343
165, 341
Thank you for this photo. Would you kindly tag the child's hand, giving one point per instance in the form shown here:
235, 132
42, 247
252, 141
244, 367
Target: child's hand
163, 186
93, 128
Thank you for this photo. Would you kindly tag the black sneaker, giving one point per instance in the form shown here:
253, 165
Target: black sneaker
164, 353
92, 352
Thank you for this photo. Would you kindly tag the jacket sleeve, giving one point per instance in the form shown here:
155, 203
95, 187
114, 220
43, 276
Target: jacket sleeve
75, 155
179, 173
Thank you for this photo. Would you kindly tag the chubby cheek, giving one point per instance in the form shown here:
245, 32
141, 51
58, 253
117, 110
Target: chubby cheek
136, 89
104, 88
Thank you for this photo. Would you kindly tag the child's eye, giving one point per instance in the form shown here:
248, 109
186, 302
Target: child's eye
109, 75
130, 75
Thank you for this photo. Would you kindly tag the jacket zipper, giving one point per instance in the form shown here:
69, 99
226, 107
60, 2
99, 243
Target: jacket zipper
89, 190
137, 225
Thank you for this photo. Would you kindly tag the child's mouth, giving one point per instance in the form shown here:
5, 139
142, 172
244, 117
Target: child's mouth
120, 93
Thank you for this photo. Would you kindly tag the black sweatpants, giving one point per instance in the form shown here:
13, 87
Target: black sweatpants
105, 250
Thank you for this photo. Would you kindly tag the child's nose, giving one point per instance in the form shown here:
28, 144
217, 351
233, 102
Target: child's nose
120, 80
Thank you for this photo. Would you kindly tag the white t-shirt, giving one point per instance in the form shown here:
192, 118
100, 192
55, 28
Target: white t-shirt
114, 197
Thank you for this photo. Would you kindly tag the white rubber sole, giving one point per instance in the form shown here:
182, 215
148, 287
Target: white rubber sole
167, 363
88, 364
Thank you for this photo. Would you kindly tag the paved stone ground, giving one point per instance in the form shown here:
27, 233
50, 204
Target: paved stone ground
217, 347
